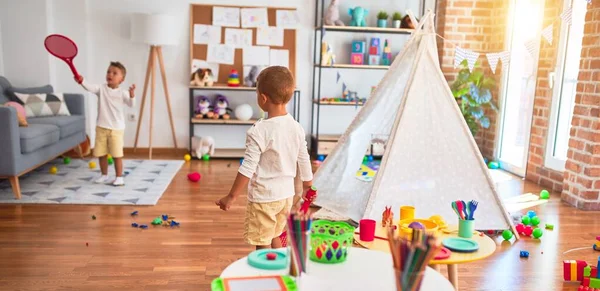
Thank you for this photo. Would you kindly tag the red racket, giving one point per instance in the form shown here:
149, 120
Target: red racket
63, 48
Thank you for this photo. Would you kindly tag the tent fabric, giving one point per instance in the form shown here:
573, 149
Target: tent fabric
430, 157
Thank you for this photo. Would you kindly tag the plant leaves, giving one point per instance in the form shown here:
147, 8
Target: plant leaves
461, 92
488, 83
485, 122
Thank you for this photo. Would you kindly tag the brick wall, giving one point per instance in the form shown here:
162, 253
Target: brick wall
582, 169
478, 25
536, 172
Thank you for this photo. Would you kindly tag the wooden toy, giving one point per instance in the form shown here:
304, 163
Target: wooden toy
358, 46
234, 79
375, 43
357, 59
386, 57
374, 60
387, 218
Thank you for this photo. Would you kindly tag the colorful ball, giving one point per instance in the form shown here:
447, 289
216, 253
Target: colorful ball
194, 177
531, 213
416, 225
205, 157
66, 160
535, 221
544, 194
537, 233
53, 170
528, 230
92, 165
321, 158
187, 157
526, 220
507, 234
520, 228
493, 165
110, 160
370, 158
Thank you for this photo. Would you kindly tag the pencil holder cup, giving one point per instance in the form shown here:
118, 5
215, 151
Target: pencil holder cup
416, 278
466, 228
330, 241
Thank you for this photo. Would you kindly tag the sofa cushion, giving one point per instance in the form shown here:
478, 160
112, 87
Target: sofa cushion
10, 91
68, 125
37, 136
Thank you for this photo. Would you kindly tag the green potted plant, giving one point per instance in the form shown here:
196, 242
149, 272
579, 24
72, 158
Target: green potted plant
382, 17
396, 19
473, 93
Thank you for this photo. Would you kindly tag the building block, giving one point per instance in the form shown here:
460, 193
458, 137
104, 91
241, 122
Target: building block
594, 283
357, 59
573, 270
594, 272
358, 46
587, 271
580, 266
567, 270
374, 60
375, 44
586, 282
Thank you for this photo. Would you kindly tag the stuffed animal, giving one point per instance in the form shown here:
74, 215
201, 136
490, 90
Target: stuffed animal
407, 23
250, 80
332, 15
221, 108
203, 146
202, 78
203, 108
358, 16
387, 218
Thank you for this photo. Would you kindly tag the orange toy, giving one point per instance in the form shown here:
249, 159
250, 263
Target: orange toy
387, 218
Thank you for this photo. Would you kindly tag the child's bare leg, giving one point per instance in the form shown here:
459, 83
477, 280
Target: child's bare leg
103, 165
276, 243
118, 166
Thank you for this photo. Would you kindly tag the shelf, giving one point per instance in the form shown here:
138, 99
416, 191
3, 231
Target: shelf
366, 29
224, 87
228, 153
328, 137
329, 103
349, 66
223, 121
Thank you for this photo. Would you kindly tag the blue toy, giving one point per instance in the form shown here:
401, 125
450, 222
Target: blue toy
321, 158
134, 213
174, 223
134, 224
531, 213
524, 254
165, 217
358, 46
493, 165
143, 226
370, 158
358, 16
241, 161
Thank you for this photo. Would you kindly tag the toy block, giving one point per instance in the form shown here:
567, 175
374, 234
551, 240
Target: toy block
375, 41
357, 59
586, 282
594, 283
594, 272
580, 269
374, 60
358, 46
587, 271
373, 50
567, 270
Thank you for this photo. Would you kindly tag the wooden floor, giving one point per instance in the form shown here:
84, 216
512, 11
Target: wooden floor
43, 247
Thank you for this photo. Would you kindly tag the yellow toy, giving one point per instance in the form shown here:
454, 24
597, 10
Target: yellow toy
109, 156
53, 170
187, 157
92, 165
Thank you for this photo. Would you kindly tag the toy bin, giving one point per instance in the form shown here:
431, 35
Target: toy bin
330, 241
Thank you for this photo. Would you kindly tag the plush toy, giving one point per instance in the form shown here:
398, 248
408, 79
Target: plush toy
407, 23
358, 16
250, 80
202, 78
203, 108
203, 146
332, 15
387, 218
221, 108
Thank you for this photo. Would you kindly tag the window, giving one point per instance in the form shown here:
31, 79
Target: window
565, 86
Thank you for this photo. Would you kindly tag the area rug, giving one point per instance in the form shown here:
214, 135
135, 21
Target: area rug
145, 183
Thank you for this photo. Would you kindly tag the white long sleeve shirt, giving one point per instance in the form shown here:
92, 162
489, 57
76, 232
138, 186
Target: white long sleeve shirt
275, 149
110, 105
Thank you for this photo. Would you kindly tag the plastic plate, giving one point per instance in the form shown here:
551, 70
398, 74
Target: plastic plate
443, 254
462, 245
258, 259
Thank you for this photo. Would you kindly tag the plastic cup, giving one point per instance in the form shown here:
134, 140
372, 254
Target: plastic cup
367, 229
466, 228
407, 212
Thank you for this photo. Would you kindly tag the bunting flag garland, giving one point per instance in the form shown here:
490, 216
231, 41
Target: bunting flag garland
547, 33
505, 58
531, 46
338, 77
461, 54
343, 87
589, 1
493, 60
567, 15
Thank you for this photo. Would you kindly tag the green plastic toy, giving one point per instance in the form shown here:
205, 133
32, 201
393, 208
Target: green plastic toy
535, 221
493, 165
110, 160
507, 234
67, 160
205, 157
218, 284
544, 194
549, 226
258, 259
157, 221
526, 220
537, 233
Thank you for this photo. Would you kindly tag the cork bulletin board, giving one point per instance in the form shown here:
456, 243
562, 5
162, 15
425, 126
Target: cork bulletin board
202, 14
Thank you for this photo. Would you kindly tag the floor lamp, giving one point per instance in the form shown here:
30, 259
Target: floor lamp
155, 30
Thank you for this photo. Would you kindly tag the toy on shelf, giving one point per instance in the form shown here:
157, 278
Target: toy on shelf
221, 107
524, 254
327, 56
358, 16
374, 53
332, 14
386, 57
407, 22
203, 146
243, 112
202, 78
234, 79
203, 108
382, 17
387, 218
250, 79
358, 53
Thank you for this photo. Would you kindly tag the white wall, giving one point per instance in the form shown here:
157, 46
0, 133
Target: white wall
101, 31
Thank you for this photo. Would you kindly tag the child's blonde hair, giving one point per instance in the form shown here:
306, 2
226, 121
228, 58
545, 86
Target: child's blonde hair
119, 66
277, 83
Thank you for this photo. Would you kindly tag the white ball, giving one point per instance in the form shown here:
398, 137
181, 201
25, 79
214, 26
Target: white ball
243, 112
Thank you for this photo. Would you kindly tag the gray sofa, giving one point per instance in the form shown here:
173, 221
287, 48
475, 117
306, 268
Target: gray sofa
46, 138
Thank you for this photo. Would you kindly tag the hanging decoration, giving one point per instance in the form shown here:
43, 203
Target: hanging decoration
338, 77
531, 46
461, 54
566, 16
493, 60
505, 58
547, 33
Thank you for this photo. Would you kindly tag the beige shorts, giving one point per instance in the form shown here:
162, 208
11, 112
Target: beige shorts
265, 221
108, 141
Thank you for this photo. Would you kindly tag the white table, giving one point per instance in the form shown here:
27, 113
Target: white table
363, 270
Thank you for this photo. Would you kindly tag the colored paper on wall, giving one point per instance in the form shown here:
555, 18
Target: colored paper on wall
254, 17
226, 16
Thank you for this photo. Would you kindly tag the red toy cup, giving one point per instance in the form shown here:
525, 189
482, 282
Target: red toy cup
367, 229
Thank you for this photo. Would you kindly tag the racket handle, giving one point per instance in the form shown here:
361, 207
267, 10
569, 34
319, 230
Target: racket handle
74, 71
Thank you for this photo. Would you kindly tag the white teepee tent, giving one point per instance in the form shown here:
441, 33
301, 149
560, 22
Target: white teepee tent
430, 159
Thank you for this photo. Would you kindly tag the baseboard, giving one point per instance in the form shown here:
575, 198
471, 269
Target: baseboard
158, 151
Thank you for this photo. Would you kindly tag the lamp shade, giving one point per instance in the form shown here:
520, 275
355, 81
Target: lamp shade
154, 29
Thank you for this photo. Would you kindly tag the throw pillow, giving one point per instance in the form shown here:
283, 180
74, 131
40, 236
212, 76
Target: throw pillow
39, 105
21, 116
11, 91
